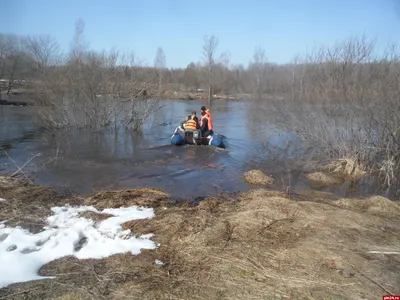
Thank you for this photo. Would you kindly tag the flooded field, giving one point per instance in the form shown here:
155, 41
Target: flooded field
83, 161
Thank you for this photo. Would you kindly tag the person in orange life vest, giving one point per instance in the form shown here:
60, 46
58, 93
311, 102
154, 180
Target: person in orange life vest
204, 125
196, 119
189, 117
191, 123
209, 117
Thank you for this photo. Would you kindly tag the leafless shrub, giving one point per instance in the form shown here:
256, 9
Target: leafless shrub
13, 60
87, 88
44, 50
345, 104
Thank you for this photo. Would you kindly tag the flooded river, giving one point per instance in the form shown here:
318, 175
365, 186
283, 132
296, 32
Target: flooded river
85, 161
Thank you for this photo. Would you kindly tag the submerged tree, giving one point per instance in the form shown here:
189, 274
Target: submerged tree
209, 53
160, 65
258, 69
79, 43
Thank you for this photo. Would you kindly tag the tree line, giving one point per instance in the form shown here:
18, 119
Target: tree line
27, 59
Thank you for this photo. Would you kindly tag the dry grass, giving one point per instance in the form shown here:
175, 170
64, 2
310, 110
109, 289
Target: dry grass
94, 216
27, 205
257, 177
124, 198
324, 179
349, 168
375, 205
261, 245
337, 172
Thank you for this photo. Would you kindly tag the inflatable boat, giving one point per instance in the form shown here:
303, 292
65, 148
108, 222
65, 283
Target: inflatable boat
193, 137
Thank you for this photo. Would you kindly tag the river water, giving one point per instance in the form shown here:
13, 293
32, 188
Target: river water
85, 161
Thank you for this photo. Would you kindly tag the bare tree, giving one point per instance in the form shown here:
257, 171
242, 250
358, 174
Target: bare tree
221, 74
191, 77
209, 52
91, 89
140, 108
44, 50
3, 55
14, 60
298, 72
79, 43
3, 60
160, 65
259, 67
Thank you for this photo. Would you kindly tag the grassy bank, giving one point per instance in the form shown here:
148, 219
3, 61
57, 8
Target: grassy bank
257, 245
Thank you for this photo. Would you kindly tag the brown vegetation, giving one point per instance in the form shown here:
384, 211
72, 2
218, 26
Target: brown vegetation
375, 205
257, 177
124, 198
347, 168
261, 244
344, 105
82, 88
97, 217
27, 204
324, 179
337, 172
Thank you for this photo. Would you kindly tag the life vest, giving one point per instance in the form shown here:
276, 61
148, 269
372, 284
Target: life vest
191, 125
205, 117
210, 123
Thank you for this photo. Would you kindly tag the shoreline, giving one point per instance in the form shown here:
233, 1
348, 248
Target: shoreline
179, 95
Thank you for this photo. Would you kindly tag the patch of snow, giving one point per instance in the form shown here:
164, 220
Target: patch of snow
63, 236
159, 262
146, 236
2, 200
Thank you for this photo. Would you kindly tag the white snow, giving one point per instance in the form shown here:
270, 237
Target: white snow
2, 200
65, 231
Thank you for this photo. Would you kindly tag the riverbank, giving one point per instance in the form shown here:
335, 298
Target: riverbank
255, 245
167, 95
181, 95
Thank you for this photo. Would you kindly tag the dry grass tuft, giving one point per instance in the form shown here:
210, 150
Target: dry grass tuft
323, 179
27, 204
257, 177
125, 198
376, 204
347, 167
337, 172
7, 182
94, 216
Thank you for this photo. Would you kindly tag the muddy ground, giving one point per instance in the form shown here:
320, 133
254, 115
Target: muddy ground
262, 244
